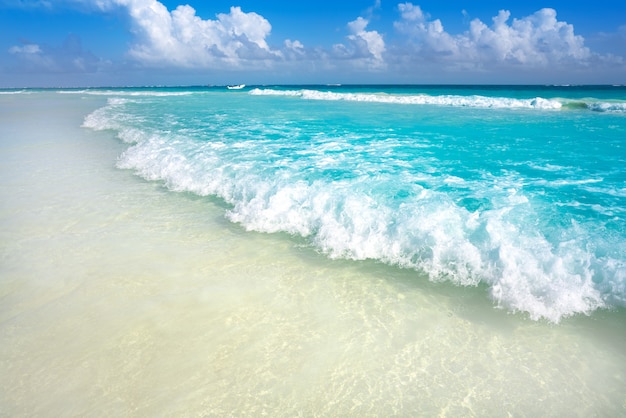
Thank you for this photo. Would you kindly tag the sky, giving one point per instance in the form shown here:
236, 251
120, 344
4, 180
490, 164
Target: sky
97, 43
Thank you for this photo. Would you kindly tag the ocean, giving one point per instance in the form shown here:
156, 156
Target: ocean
313, 251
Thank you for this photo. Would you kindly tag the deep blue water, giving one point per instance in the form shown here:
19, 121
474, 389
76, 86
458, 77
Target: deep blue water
521, 188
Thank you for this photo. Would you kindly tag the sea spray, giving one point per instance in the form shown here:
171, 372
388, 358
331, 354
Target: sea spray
513, 192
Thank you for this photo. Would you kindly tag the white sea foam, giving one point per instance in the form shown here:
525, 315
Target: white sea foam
12, 92
138, 93
495, 241
419, 99
548, 167
611, 107
524, 271
568, 182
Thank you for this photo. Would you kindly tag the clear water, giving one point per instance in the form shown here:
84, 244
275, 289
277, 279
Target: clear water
522, 189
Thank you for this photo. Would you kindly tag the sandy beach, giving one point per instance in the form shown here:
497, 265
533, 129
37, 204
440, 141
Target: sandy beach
121, 298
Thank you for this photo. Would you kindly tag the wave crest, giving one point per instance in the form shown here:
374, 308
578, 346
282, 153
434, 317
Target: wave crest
485, 234
418, 99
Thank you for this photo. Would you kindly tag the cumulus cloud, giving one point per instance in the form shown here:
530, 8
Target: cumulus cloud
366, 47
538, 39
183, 39
294, 50
373, 41
429, 36
535, 41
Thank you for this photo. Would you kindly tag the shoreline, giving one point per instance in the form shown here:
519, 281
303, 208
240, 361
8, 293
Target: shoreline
124, 298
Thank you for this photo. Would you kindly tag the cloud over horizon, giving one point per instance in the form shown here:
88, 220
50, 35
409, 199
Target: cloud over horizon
70, 57
180, 38
534, 41
240, 40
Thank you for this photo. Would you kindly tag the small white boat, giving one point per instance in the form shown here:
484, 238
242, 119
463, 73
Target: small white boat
236, 87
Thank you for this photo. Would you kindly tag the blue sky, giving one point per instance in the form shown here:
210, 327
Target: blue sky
71, 43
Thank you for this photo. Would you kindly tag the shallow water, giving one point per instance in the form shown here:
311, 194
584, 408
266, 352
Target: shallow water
119, 297
524, 194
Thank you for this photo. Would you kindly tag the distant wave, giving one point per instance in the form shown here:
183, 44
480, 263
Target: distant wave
127, 92
14, 92
474, 101
418, 99
607, 107
596, 106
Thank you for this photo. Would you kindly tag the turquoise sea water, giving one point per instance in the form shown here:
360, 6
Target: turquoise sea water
518, 189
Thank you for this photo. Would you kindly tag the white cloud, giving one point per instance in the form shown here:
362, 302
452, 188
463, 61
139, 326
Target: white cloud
535, 45
535, 41
429, 35
294, 45
27, 50
538, 39
366, 47
295, 49
411, 13
373, 40
181, 38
